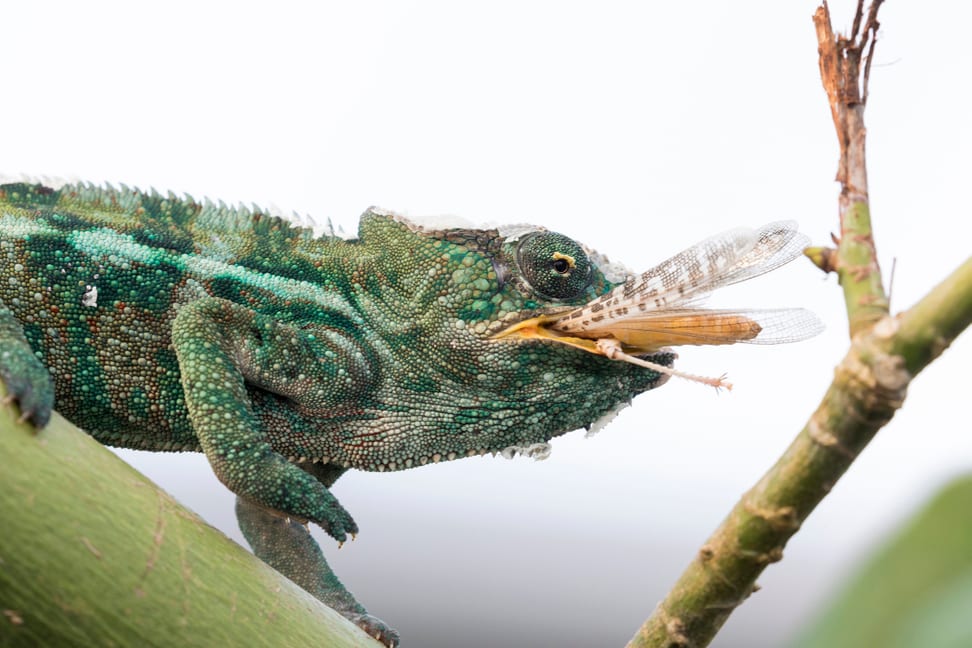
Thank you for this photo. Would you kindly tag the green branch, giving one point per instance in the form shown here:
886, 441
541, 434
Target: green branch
925, 330
93, 554
869, 385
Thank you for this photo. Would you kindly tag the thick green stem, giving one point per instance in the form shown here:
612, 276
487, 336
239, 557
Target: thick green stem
94, 554
925, 330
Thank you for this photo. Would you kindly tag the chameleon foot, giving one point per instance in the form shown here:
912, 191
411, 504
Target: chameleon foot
375, 627
337, 522
28, 384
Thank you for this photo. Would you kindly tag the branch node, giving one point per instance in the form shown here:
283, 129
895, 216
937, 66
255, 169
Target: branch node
879, 369
783, 518
826, 439
885, 328
891, 376
824, 258
763, 557
674, 628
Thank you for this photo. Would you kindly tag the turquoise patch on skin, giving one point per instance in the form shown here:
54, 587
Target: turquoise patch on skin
14, 226
114, 247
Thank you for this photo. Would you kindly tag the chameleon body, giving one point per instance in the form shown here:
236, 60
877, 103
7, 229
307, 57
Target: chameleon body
163, 323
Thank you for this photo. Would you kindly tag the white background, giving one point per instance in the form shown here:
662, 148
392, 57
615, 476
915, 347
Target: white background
638, 128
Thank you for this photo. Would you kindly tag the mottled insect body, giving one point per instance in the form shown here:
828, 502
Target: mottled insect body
163, 323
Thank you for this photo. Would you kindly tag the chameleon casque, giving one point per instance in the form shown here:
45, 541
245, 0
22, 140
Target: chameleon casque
162, 323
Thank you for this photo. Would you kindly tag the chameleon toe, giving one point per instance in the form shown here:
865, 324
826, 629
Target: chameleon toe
28, 385
375, 627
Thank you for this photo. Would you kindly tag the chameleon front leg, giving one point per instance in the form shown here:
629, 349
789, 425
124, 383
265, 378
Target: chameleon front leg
288, 547
28, 382
221, 346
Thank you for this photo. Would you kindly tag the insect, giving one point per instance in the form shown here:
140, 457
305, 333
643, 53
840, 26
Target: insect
662, 307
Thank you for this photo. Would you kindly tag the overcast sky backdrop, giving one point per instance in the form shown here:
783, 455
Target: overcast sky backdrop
638, 128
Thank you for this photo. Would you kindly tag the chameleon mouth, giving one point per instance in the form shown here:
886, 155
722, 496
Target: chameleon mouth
639, 336
634, 345
538, 328
604, 344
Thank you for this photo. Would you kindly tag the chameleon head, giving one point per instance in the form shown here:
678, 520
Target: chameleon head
474, 289
507, 337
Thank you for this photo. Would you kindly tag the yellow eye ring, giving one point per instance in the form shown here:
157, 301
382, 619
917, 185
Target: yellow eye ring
563, 263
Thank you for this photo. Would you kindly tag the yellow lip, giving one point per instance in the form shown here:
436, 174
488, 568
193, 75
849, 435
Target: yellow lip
536, 328
643, 335
617, 347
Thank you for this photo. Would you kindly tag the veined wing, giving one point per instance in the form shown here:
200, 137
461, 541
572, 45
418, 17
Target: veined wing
776, 244
721, 260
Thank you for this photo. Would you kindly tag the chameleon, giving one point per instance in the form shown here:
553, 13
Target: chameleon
163, 323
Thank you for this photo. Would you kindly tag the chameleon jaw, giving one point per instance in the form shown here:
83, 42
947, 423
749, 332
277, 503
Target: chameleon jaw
536, 328
605, 344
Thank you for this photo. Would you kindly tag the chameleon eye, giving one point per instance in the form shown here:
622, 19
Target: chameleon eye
554, 265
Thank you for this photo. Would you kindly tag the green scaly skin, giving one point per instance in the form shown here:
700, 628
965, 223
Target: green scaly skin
162, 323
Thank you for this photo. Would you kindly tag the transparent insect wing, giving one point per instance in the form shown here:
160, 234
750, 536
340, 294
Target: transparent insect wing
673, 282
783, 325
692, 270
776, 244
